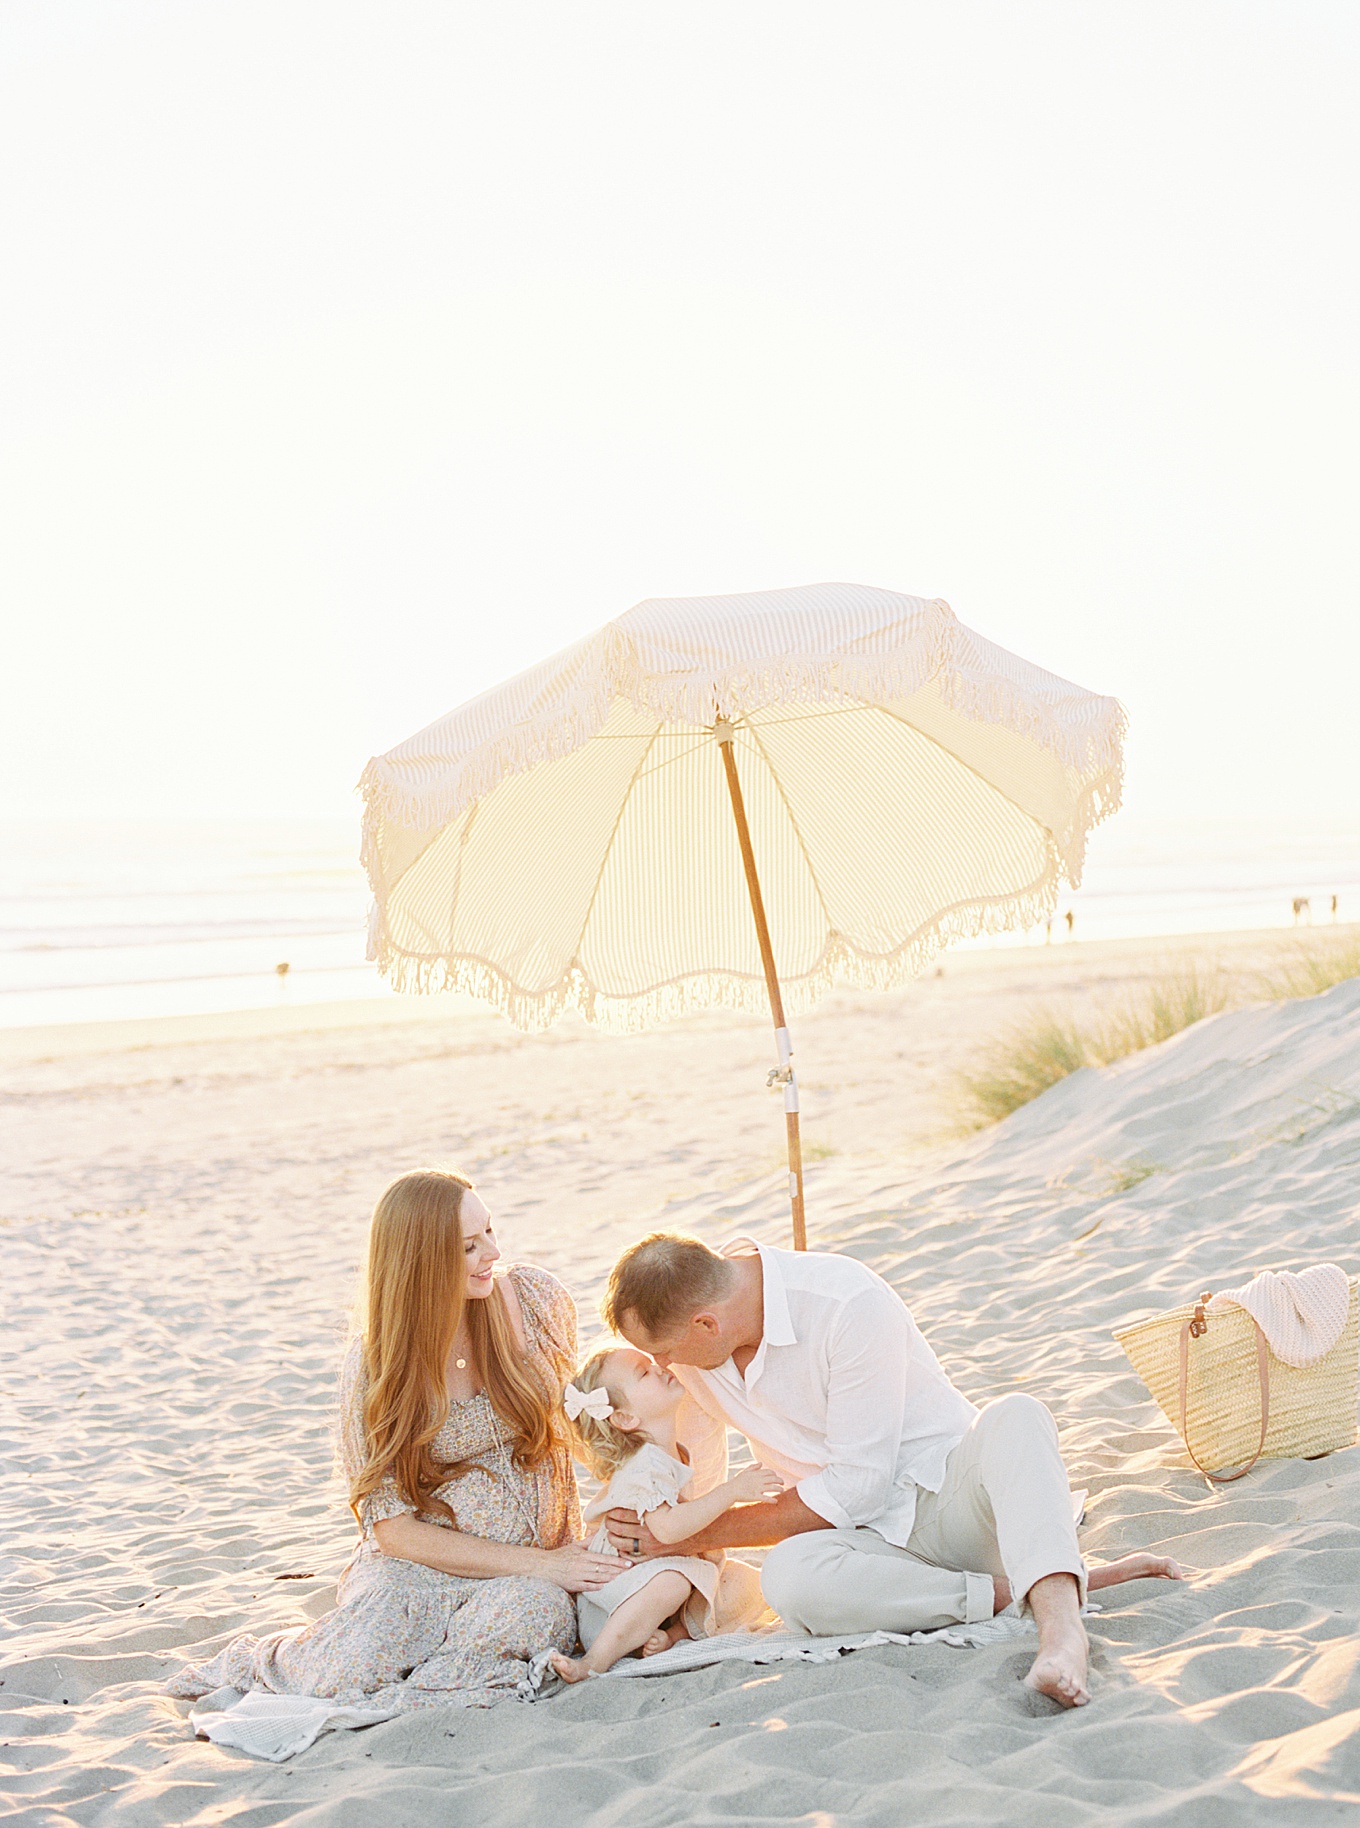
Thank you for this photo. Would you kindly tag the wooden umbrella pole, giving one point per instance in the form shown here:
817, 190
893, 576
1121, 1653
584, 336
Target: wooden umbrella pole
783, 1074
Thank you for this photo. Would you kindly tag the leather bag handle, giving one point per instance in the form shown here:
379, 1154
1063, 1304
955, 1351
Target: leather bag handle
1195, 1327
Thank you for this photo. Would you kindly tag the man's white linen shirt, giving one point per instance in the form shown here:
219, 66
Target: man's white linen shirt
843, 1396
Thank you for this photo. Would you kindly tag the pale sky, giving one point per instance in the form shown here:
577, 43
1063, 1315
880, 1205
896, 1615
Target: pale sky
355, 356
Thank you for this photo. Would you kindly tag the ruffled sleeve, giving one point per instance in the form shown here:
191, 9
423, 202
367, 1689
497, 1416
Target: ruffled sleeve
647, 1481
549, 1317
352, 1441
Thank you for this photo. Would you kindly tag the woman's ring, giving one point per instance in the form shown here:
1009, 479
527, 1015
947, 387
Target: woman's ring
637, 1545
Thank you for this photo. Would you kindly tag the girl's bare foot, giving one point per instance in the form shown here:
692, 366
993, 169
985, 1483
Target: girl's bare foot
1134, 1567
662, 1639
571, 1669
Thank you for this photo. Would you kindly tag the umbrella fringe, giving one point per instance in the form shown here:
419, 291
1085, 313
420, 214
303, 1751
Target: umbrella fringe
840, 963
1097, 750
447, 789
1098, 801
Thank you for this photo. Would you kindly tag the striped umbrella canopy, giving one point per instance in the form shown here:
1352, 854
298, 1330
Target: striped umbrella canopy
734, 799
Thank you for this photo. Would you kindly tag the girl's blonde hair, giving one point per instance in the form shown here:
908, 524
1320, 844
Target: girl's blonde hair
603, 1446
416, 1296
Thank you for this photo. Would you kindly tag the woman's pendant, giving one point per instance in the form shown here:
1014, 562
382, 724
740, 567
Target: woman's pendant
461, 1363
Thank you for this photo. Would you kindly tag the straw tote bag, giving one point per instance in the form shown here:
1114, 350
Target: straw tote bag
1231, 1400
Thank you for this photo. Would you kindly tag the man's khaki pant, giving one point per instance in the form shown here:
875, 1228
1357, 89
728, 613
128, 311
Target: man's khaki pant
1005, 1508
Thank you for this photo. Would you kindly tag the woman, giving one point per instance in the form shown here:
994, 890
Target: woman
458, 1476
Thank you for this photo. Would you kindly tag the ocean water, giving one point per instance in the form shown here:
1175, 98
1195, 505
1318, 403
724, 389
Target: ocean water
101, 922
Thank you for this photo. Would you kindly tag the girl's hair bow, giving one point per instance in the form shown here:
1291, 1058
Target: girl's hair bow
594, 1403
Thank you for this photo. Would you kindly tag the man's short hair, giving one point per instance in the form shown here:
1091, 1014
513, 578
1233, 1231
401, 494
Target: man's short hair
663, 1280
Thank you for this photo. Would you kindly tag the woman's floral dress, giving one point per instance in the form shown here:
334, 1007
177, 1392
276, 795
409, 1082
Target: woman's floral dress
407, 1636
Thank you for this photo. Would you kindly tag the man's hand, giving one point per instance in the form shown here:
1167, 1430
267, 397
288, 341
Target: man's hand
749, 1526
629, 1535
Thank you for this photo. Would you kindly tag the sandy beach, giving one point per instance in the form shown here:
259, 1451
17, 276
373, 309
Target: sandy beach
183, 1206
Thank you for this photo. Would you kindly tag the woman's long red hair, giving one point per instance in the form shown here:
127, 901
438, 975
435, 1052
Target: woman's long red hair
416, 1298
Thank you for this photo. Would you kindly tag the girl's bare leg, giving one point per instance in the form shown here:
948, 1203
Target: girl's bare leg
628, 1628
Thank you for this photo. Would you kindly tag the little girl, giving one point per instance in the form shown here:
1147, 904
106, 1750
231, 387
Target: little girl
623, 1406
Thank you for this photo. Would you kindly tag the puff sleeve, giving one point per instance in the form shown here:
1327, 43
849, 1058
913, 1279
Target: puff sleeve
352, 1442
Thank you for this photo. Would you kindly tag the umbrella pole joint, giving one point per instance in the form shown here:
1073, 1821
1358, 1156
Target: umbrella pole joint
783, 1074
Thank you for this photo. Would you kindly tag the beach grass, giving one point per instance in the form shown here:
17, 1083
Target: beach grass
1020, 1065
1031, 1057
1308, 969
1050, 1045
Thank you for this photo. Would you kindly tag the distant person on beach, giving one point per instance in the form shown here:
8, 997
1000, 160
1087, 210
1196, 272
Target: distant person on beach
908, 1508
454, 1450
626, 1412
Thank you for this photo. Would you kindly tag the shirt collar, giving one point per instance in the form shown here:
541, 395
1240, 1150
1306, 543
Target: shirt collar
776, 1327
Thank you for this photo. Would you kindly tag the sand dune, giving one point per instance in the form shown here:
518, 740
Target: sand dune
182, 1222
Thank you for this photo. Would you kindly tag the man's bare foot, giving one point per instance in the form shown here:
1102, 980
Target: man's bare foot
662, 1639
571, 1669
1134, 1567
1059, 1670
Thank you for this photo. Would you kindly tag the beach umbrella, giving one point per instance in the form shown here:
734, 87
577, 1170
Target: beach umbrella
736, 800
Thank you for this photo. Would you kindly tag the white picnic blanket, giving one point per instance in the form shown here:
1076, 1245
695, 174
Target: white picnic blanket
782, 1646
275, 1726
1302, 1316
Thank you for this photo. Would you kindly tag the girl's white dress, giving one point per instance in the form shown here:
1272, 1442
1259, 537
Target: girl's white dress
726, 1595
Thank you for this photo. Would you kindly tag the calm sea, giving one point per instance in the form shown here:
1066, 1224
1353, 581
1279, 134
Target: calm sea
108, 921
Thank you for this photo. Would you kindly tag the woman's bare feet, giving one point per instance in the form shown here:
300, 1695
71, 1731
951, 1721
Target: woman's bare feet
1134, 1567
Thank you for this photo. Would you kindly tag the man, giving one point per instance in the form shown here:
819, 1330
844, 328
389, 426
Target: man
908, 1507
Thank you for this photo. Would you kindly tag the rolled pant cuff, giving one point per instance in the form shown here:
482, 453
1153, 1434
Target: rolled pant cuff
979, 1598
